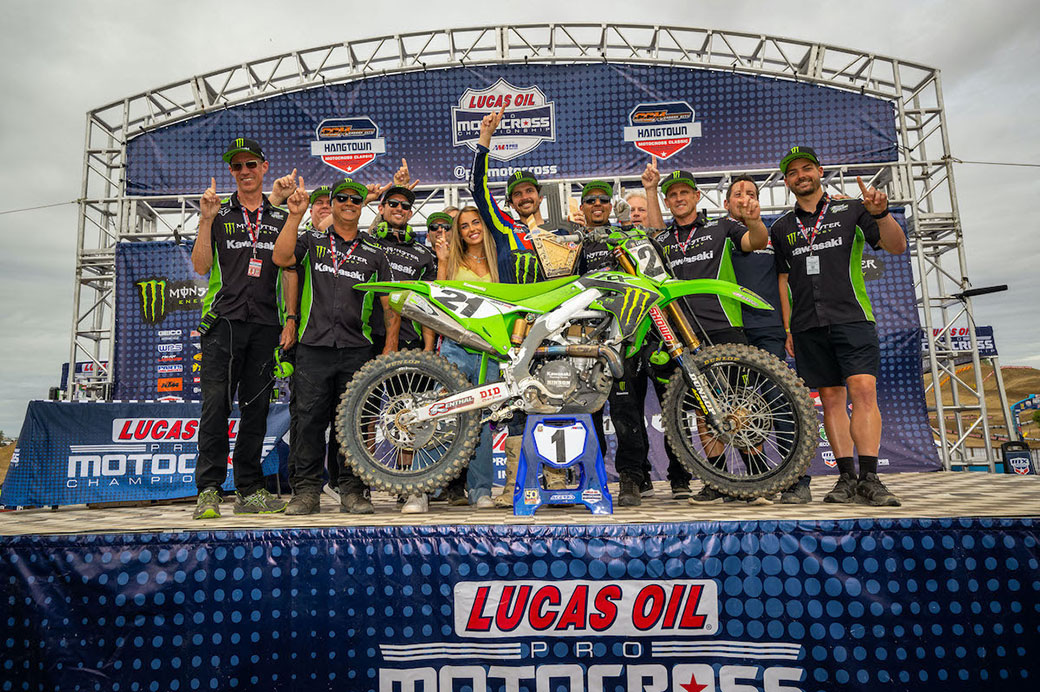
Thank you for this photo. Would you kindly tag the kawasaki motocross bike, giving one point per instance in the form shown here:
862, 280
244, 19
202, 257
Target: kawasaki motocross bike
737, 417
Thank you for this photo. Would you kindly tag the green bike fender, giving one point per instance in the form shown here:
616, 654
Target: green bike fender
672, 289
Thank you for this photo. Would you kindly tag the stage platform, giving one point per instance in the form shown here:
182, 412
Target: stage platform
924, 495
941, 593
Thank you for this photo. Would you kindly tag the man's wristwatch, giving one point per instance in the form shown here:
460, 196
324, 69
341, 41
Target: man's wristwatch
294, 318
878, 217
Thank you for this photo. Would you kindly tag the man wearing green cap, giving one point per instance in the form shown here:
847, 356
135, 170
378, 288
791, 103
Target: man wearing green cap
240, 327
695, 249
321, 209
336, 335
829, 320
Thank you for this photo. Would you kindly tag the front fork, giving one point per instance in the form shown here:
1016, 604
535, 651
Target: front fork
675, 346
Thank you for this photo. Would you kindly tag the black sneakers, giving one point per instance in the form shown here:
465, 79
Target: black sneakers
304, 503
844, 490
797, 494
629, 495
680, 490
871, 491
707, 494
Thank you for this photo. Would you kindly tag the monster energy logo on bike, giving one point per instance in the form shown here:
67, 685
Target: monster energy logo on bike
159, 297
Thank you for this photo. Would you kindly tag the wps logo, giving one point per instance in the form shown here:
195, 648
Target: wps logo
662, 129
348, 144
528, 121
581, 608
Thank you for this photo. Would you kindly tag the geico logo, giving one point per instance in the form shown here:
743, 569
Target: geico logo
603, 676
156, 429
580, 608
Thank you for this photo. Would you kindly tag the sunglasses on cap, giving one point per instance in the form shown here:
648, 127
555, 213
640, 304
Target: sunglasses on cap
353, 199
237, 166
394, 204
438, 227
602, 199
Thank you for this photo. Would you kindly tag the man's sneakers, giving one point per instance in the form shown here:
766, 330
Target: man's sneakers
871, 491
844, 490
416, 504
707, 495
628, 492
646, 488
260, 502
304, 503
680, 490
208, 504
797, 494
353, 501
455, 494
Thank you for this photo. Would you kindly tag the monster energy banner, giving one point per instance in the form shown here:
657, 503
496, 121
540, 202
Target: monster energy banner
158, 304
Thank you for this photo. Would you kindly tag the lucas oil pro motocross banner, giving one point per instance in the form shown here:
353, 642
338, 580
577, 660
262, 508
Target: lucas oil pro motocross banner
561, 121
72, 453
752, 606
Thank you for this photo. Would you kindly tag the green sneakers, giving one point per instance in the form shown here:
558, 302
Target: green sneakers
208, 505
260, 502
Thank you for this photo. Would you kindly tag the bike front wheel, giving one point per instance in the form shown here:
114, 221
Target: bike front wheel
767, 436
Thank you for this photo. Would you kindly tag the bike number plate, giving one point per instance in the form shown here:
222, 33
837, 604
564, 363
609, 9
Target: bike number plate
561, 445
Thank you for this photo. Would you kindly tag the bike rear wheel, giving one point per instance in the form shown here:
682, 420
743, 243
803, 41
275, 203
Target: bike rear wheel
770, 423
389, 455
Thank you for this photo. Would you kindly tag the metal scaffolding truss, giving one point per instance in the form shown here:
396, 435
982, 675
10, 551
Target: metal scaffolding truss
921, 180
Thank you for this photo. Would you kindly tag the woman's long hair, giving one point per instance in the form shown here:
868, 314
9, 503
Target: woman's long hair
457, 246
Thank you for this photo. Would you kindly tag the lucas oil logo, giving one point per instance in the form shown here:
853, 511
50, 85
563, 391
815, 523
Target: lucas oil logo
662, 129
348, 144
528, 121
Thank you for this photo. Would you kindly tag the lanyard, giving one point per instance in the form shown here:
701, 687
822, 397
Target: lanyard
332, 247
253, 228
693, 229
816, 226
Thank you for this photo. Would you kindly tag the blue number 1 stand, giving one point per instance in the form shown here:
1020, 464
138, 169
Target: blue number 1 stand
561, 441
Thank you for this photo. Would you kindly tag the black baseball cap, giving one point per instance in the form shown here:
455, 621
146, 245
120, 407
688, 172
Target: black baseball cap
798, 153
243, 144
439, 217
677, 177
597, 185
521, 176
323, 191
399, 190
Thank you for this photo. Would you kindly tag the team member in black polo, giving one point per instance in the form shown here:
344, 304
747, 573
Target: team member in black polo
241, 328
699, 250
819, 246
335, 333
764, 328
408, 259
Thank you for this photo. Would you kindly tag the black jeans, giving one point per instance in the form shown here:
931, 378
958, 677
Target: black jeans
235, 356
627, 413
322, 373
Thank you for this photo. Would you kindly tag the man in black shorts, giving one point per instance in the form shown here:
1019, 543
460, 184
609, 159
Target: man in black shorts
830, 322
336, 335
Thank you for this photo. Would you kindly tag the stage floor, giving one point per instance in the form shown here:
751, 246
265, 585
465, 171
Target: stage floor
924, 495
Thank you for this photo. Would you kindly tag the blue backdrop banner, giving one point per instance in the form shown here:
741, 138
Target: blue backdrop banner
754, 606
557, 124
74, 453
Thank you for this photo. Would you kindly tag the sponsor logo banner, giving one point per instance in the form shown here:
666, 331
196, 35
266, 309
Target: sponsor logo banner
529, 119
348, 144
662, 129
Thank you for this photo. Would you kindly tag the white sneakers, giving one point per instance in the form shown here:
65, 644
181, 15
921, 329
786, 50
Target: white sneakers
416, 504
485, 502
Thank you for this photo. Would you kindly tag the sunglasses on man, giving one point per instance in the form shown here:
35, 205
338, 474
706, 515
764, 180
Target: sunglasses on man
394, 204
602, 199
237, 166
353, 199
438, 227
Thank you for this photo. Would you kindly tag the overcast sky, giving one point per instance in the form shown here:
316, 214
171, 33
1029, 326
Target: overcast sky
62, 59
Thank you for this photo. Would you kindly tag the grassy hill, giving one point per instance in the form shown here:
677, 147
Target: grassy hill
1019, 382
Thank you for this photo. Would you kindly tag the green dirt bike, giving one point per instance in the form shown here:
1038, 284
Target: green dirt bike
737, 417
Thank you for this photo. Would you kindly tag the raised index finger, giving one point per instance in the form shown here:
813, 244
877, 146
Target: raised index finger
302, 188
213, 184
862, 187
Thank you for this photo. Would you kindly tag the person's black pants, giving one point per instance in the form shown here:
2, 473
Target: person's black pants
236, 356
322, 373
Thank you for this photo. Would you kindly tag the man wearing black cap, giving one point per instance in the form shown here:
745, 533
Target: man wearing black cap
830, 321
696, 249
241, 328
408, 259
336, 335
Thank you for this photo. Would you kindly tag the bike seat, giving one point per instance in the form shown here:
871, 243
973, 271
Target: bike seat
510, 293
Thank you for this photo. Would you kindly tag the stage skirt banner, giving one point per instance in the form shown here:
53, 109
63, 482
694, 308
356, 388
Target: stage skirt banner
754, 606
74, 453
557, 124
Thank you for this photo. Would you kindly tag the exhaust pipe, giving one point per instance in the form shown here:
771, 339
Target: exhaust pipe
617, 367
414, 306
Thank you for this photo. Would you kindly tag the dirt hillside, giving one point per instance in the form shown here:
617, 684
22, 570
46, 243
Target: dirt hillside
1019, 382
